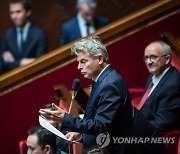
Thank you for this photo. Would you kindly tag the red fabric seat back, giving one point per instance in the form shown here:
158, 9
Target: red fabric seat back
173, 148
22, 147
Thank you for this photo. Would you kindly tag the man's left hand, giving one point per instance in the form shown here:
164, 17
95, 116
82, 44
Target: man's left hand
56, 116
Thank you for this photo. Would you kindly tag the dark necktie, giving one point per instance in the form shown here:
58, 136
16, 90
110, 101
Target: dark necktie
87, 28
145, 96
21, 48
92, 85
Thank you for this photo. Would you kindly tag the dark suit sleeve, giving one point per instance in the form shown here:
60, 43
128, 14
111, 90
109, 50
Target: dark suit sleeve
64, 36
168, 109
108, 106
5, 47
42, 44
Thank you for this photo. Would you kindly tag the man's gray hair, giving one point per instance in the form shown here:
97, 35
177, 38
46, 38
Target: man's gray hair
90, 3
166, 49
93, 46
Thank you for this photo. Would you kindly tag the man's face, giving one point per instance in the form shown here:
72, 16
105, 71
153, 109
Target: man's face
87, 13
88, 65
18, 14
33, 147
154, 59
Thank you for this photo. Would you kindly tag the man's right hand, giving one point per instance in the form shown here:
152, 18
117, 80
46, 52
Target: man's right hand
8, 57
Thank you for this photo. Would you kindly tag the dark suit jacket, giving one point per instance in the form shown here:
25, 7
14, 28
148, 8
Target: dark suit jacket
109, 110
35, 46
162, 108
70, 30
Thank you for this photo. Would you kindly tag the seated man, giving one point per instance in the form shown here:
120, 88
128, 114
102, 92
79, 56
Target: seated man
41, 141
161, 101
24, 42
86, 22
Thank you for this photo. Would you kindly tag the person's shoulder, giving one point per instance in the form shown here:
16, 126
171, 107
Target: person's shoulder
70, 22
36, 28
102, 19
9, 31
171, 78
174, 72
37, 32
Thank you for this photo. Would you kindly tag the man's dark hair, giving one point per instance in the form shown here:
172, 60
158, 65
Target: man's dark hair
26, 3
44, 137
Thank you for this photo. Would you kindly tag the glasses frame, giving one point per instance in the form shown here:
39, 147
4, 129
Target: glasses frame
153, 58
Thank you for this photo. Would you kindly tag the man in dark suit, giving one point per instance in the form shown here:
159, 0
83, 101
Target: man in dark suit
162, 106
109, 114
24, 42
86, 22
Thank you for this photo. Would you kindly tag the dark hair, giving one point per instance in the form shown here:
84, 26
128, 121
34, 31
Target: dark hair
44, 137
26, 3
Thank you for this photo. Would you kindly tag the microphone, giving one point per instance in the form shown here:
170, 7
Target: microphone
75, 88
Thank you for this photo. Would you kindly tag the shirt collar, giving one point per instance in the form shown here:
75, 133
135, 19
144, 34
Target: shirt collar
25, 30
156, 79
80, 18
101, 72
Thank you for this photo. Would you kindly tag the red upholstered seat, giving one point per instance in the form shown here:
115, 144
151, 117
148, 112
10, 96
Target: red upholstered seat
136, 94
175, 62
22, 147
174, 148
63, 105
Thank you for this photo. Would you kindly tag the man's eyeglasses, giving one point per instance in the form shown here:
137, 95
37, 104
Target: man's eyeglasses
152, 58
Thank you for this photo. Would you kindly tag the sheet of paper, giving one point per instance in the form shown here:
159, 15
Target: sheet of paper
44, 123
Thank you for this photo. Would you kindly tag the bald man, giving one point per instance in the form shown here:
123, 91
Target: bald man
162, 106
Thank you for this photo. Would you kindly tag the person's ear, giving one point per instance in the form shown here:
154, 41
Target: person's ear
47, 149
28, 13
101, 59
168, 59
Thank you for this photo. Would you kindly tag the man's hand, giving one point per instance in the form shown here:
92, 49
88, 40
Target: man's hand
25, 61
74, 136
54, 117
8, 57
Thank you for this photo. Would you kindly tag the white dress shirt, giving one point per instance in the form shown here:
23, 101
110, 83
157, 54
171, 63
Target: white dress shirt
83, 27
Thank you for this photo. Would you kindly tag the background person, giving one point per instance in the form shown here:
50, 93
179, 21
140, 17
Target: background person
24, 42
86, 22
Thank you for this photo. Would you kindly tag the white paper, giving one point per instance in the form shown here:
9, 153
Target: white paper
44, 123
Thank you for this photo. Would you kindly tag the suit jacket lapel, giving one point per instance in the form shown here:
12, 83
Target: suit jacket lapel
159, 85
14, 43
29, 39
94, 93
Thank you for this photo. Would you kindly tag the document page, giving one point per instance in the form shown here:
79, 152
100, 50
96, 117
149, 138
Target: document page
44, 123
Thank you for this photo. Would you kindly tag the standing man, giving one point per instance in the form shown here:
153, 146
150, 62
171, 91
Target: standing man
25, 41
40, 141
86, 22
161, 106
108, 110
